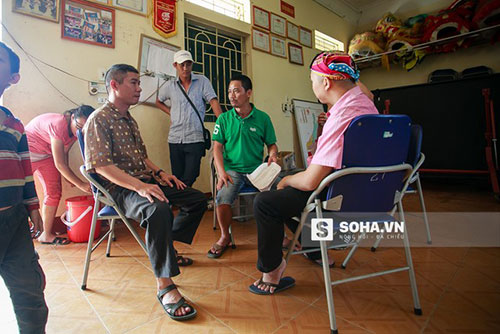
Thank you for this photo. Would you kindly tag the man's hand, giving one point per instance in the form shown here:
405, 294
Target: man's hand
223, 179
171, 180
36, 219
283, 183
273, 157
151, 190
322, 119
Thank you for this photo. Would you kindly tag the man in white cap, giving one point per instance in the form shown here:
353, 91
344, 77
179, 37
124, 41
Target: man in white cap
185, 138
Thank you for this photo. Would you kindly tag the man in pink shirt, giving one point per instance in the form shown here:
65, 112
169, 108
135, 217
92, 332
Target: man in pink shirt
333, 77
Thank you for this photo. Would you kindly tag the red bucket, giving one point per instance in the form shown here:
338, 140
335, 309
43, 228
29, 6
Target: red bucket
78, 218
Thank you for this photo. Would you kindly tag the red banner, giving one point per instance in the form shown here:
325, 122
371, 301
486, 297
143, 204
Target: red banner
165, 17
287, 9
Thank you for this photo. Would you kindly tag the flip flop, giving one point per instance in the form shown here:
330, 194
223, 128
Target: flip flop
219, 250
318, 261
57, 241
173, 307
285, 283
184, 261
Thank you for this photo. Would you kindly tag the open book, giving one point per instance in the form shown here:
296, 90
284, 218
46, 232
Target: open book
263, 176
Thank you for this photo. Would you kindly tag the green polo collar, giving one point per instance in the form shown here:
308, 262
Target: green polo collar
251, 114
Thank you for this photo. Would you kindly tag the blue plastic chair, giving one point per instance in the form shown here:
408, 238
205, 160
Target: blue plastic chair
110, 211
368, 187
415, 158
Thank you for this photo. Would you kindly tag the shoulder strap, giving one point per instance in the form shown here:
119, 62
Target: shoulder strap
191, 103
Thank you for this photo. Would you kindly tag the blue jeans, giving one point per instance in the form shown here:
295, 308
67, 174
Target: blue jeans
21, 271
228, 194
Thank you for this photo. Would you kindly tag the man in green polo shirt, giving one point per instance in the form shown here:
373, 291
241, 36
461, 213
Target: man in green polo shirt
239, 137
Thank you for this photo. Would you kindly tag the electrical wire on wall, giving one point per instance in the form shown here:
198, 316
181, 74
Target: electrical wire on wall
33, 58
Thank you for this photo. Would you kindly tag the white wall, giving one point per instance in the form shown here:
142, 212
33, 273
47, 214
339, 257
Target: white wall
274, 78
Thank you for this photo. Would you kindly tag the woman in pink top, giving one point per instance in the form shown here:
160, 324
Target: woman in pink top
50, 137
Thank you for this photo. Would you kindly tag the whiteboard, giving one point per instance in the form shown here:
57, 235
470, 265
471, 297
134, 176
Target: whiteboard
306, 117
155, 58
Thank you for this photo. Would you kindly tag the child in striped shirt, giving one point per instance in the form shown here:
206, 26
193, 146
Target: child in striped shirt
19, 265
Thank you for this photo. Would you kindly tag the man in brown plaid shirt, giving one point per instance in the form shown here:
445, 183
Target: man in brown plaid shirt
115, 150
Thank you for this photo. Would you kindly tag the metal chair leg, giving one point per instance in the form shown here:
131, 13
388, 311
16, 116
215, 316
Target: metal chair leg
377, 242
352, 251
215, 218
233, 244
327, 277
411, 272
296, 235
89, 247
134, 232
424, 211
381, 234
110, 237
214, 196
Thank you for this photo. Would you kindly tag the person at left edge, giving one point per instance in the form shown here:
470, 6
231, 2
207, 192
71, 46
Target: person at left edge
19, 267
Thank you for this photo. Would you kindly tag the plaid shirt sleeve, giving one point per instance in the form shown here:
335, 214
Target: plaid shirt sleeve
98, 151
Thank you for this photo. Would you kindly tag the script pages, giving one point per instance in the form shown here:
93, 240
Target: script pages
263, 176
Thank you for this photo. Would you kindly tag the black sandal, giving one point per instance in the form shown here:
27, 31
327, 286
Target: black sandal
284, 283
173, 307
183, 261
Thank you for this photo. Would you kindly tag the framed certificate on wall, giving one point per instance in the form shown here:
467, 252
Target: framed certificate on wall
292, 31
295, 55
260, 40
278, 46
133, 6
305, 37
278, 25
260, 18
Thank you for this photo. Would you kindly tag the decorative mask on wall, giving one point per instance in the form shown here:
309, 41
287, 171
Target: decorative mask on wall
366, 44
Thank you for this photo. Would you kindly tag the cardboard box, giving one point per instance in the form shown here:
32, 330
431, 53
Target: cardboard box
286, 160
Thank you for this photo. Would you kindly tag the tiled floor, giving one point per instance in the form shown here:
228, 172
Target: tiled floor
459, 288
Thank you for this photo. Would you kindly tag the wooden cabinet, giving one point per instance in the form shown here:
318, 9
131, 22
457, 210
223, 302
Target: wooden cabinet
452, 115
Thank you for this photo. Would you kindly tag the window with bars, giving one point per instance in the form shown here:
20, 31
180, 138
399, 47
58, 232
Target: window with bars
218, 55
324, 42
237, 9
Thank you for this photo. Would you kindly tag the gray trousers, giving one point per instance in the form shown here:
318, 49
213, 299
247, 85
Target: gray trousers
161, 226
21, 271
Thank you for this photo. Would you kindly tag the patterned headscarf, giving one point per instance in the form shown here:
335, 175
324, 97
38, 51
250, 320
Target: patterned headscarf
335, 65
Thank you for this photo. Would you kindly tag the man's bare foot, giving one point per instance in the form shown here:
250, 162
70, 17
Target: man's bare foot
271, 277
46, 237
173, 297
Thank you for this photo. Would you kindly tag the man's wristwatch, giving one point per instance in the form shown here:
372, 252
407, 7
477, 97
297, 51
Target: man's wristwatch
158, 172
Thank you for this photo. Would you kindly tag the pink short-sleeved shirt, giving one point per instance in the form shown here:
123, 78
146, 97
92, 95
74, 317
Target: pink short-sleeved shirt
331, 142
41, 129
